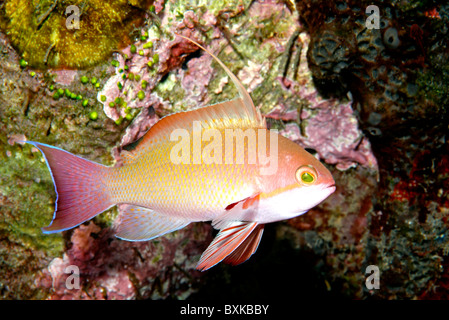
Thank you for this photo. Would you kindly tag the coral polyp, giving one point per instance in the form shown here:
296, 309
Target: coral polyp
70, 34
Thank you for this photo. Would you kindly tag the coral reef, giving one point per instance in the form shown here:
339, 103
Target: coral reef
341, 143
380, 67
405, 119
372, 104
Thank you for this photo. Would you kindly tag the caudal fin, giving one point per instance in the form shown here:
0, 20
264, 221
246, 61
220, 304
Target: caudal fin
81, 191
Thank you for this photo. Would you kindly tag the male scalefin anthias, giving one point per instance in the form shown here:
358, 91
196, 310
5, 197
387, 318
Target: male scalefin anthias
218, 163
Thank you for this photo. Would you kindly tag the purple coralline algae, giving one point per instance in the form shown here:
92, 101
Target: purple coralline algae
99, 266
330, 128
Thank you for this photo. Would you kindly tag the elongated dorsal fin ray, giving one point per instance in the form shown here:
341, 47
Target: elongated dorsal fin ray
248, 102
238, 113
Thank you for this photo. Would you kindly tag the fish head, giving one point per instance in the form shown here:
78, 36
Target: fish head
314, 183
300, 183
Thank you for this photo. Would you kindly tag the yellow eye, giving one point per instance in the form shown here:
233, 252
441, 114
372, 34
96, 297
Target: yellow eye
306, 175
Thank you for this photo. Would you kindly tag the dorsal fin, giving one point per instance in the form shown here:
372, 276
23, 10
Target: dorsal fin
237, 113
247, 101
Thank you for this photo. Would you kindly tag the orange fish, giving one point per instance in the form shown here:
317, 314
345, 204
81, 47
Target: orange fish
217, 163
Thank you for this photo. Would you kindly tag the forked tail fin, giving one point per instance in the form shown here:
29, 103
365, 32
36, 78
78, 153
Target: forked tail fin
80, 185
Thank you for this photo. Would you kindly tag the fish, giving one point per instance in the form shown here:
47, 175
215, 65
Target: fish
217, 163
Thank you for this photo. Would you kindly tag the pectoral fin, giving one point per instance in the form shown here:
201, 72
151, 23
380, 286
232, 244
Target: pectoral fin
224, 244
243, 210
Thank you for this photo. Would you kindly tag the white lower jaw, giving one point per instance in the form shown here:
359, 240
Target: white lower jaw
292, 203
329, 191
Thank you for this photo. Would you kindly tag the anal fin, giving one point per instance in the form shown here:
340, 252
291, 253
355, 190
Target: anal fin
226, 241
141, 224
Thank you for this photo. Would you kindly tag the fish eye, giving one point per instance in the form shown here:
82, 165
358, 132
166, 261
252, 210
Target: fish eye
306, 175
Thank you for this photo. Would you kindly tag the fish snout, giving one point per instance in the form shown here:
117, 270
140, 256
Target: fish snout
328, 185
331, 188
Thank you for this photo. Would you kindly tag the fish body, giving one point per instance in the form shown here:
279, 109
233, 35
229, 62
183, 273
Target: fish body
218, 163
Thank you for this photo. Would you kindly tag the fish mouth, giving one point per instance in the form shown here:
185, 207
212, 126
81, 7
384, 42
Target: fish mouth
331, 188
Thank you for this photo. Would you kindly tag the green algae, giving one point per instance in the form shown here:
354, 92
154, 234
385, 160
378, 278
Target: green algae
28, 111
31, 183
19, 160
23, 247
42, 31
